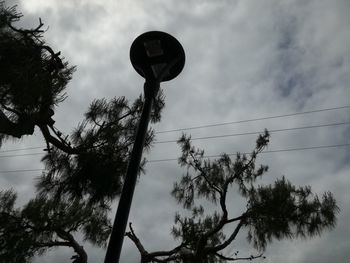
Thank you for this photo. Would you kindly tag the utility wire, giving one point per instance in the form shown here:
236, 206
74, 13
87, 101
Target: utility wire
213, 156
259, 132
15, 155
269, 151
23, 149
213, 137
19, 171
252, 120
220, 124
200, 138
218, 136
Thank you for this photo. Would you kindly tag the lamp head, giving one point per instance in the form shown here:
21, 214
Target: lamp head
157, 56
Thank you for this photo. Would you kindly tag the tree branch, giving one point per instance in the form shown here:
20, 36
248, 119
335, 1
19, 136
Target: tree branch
236, 218
53, 244
203, 239
10, 109
136, 240
62, 146
197, 166
26, 31
242, 258
73, 243
227, 242
150, 257
25, 127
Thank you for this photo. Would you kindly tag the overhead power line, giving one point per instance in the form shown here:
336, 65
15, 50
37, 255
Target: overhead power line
200, 138
21, 171
252, 120
25, 154
259, 132
215, 156
22, 149
209, 137
268, 151
218, 124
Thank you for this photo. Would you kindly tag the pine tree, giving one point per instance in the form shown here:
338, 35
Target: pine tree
83, 171
33, 81
44, 223
277, 211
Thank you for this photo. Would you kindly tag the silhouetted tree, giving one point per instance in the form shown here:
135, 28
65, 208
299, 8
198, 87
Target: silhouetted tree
84, 170
276, 211
92, 160
44, 223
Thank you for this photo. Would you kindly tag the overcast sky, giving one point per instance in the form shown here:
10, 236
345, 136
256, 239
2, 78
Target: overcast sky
244, 60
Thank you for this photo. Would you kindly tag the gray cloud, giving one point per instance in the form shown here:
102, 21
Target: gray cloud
244, 59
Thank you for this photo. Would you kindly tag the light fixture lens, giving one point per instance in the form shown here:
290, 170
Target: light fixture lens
153, 48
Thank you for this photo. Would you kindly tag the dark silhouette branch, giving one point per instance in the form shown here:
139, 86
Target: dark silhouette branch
17, 130
27, 31
236, 218
53, 244
136, 240
73, 243
57, 143
10, 109
251, 257
153, 257
196, 165
228, 241
223, 221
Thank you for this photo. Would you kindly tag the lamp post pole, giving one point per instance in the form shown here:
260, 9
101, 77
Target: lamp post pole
120, 222
157, 56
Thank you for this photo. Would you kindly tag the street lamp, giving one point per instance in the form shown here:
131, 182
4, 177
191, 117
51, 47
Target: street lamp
158, 57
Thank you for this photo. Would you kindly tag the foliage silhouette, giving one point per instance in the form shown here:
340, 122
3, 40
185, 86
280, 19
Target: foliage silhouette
84, 169
92, 160
44, 223
276, 211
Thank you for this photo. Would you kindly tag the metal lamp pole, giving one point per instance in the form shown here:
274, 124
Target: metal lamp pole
156, 56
